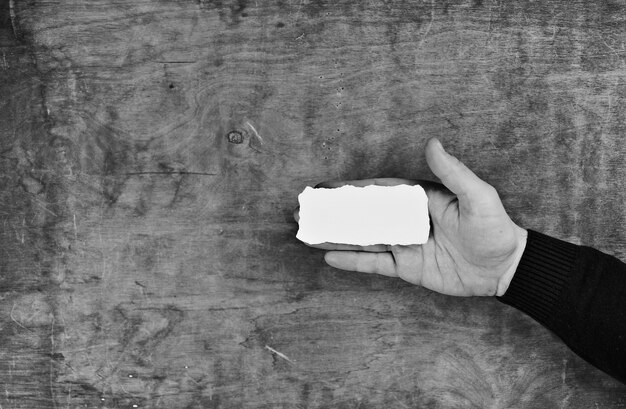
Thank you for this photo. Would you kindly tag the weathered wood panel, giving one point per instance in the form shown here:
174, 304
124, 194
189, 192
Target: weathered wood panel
152, 153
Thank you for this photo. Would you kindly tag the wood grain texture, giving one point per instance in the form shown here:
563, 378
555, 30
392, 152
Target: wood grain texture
152, 153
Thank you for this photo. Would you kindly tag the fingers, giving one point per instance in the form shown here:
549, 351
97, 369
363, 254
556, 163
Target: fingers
457, 177
367, 182
376, 248
378, 263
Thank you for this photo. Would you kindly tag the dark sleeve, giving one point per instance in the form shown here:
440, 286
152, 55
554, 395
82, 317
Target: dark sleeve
577, 292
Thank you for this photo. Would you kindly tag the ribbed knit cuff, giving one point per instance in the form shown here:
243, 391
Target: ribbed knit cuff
540, 277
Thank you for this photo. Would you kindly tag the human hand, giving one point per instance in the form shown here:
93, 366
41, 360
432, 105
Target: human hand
473, 249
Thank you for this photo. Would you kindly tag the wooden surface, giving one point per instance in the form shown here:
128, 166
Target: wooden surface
152, 153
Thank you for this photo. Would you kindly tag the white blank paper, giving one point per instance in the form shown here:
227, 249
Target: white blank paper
364, 215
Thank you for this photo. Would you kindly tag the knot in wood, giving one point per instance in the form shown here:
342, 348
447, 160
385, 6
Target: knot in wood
235, 137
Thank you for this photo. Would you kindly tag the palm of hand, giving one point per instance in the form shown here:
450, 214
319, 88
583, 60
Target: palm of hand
468, 250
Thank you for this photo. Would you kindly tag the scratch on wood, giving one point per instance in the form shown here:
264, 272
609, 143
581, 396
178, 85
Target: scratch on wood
430, 24
255, 132
104, 265
16, 321
400, 402
106, 345
280, 354
565, 401
12, 15
52, 347
176, 62
42, 205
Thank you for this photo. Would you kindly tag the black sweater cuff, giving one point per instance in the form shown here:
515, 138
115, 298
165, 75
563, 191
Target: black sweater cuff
542, 273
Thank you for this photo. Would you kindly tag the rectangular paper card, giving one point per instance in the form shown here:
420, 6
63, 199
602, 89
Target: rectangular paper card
364, 215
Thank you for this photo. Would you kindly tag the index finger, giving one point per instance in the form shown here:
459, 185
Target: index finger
367, 182
428, 185
372, 248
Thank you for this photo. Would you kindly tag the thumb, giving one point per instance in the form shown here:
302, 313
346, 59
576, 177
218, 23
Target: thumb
457, 177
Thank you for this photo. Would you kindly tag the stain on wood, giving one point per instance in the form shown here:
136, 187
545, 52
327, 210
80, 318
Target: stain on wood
152, 153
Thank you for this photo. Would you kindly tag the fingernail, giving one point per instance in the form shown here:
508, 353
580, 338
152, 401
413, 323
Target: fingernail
438, 144
330, 257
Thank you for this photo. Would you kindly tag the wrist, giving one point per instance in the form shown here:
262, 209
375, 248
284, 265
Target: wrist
504, 281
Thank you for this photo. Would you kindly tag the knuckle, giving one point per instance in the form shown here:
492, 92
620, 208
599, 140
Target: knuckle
491, 192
